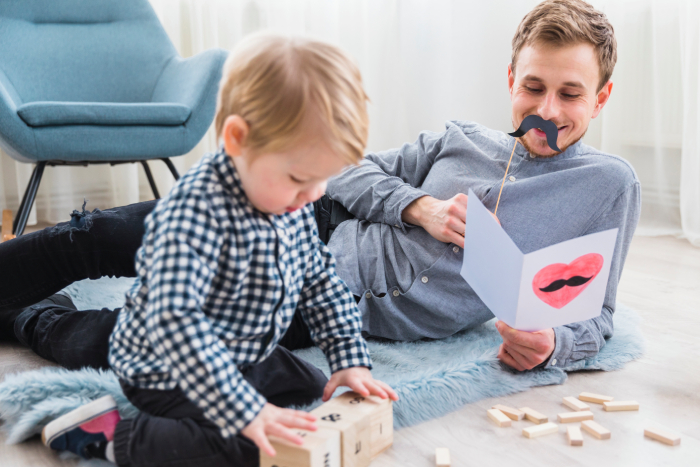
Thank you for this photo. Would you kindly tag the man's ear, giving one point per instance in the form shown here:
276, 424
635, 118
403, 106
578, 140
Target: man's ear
511, 79
602, 98
234, 134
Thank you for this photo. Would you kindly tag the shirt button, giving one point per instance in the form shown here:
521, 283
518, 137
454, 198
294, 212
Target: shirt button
511, 178
395, 293
368, 295
455, 249
396, 225
554, 361
424, 279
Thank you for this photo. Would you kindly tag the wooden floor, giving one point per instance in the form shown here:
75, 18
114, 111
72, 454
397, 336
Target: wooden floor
661, 281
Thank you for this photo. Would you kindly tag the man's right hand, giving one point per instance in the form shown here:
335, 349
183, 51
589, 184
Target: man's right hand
273, 420
444, 220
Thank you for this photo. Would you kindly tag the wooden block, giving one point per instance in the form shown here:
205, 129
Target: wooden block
570, 417
663, 435
6, 232
381, 415
498, 417
533, 415
595, 429
540, 430
575, 404
354, 428
510, 412
574, 436
442, 457
595, 398
321, 448
620, 406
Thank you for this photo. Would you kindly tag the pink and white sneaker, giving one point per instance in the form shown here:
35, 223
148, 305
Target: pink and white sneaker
85, 431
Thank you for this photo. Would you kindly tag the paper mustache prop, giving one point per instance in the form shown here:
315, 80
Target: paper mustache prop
535, 121
531, 121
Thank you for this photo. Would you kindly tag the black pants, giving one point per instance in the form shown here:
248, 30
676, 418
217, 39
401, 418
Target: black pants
172, 431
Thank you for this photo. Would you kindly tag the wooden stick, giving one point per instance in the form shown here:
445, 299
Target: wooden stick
6, 226
504, 177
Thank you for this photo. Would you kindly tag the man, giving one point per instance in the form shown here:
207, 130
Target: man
403, 253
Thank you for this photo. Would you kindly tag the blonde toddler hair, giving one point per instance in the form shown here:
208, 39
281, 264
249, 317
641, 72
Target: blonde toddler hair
274, 82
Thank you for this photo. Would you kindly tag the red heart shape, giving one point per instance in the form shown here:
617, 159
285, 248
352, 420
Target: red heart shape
559, 283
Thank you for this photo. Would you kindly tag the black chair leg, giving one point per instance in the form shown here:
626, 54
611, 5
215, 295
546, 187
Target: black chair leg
152, 182
172, 168
25, 206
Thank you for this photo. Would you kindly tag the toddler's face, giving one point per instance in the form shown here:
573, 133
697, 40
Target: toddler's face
285, 181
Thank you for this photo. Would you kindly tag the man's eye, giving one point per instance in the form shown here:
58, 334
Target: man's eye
533, 90
570, 96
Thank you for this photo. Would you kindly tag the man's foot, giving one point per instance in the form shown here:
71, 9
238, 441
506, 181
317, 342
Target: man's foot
86, 431
9, 317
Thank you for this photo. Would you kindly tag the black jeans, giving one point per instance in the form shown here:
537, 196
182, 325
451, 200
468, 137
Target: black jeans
91, 245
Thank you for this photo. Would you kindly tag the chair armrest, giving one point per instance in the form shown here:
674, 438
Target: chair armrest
190, 81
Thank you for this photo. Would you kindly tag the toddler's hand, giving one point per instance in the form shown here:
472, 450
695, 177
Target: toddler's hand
360, 380
273, 420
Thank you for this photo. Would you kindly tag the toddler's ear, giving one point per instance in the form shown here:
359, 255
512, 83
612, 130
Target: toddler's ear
234, 134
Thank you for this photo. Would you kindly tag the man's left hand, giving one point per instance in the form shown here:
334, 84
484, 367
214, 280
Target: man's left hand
524, 350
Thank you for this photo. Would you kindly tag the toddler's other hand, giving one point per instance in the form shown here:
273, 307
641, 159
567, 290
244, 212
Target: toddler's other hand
273, 420
360, 380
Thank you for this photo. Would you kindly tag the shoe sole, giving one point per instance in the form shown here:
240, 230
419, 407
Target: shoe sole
77, 417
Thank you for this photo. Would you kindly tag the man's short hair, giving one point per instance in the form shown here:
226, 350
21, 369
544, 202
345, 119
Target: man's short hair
275, 82
568, 22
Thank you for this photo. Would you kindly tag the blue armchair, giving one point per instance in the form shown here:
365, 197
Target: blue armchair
97, 81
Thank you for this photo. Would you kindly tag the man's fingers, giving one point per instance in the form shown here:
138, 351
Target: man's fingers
535, 357
523, 359
506, 358
526, 339
282, 431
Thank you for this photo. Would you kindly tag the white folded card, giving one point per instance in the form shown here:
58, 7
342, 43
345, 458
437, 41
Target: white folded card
554, 286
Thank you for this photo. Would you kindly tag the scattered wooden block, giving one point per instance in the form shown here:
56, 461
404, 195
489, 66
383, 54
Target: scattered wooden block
540, 430
498, 417
381, 415
510, 412
6, 232
663, 435
575, 404
442, 457
574, 436
321, 448
620, 406
533, 415
570, 417
595, 398
595, 429
354, 428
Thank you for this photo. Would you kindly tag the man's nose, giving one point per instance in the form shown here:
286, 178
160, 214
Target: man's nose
549, 107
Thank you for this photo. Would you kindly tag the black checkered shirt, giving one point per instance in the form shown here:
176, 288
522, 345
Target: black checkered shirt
218, 284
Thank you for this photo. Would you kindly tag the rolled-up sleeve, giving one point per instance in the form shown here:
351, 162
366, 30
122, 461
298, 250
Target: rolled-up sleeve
578, 341
385, 183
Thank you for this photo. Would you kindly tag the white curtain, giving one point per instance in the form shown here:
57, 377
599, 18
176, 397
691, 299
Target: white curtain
428, 61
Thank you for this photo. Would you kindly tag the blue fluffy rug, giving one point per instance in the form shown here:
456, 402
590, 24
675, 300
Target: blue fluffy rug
432, 378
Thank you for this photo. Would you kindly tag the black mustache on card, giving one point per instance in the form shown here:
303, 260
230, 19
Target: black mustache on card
561, 283
535, 121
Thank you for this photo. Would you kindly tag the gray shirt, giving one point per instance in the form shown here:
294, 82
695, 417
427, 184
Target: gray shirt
410, 283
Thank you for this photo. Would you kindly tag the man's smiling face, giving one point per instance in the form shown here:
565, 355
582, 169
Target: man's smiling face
558, 84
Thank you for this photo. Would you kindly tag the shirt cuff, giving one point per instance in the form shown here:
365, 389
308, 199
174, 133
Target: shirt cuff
563, 348
247, 405
348, 353
394, 205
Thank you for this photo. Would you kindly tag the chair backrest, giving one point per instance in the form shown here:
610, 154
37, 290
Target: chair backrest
82, 50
